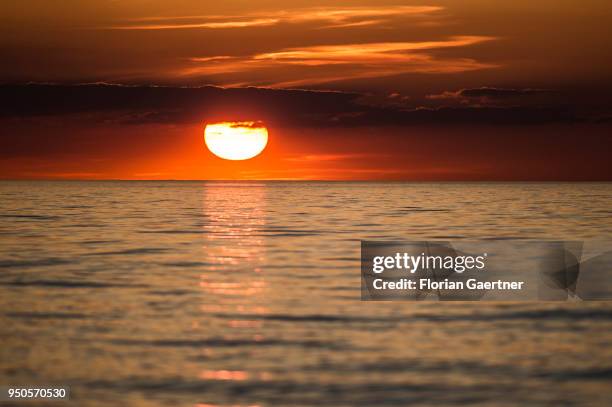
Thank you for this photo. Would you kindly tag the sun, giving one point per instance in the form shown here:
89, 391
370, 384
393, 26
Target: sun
236, 140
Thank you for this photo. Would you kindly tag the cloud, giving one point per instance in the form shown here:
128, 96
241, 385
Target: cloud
487, 92
492, 96
121, 105
343, 62
310, 60
385, 52
499, 92
327, 17
257, 22
326, 157
470, 115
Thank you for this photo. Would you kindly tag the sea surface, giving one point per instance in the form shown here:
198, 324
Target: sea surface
248, 294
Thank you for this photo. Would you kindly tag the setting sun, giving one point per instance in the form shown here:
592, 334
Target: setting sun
236, 140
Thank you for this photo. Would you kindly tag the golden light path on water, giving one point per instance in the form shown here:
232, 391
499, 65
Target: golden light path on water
234, 243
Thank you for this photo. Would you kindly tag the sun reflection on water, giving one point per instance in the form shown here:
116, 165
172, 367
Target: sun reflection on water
235, 286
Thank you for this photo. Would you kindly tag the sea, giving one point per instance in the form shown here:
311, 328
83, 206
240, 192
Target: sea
219, 294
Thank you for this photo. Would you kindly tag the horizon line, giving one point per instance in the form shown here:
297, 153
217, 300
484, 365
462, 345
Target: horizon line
301, 180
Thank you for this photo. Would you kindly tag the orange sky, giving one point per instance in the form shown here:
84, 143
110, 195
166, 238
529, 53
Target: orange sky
415, 90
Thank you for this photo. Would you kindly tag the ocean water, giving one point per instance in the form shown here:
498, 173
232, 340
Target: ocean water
248, 294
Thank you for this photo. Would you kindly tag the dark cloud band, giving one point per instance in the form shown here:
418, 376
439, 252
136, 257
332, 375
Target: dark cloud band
294, 108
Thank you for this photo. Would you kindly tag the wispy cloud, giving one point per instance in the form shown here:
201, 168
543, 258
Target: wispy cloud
385, 52
325, 157
488, 92
258, 22
492, 96
329, 17
316, 64
353, 61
